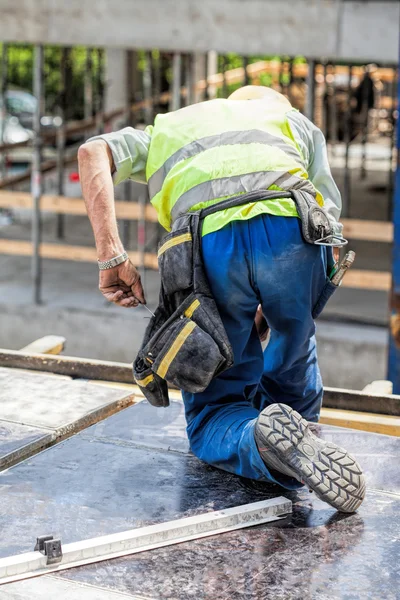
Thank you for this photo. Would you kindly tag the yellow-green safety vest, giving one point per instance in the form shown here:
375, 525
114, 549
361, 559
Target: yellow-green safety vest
207, 152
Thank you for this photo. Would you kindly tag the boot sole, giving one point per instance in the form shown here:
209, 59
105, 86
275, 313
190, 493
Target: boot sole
331, 472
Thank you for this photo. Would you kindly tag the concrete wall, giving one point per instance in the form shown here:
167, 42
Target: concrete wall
350, 356
363, 30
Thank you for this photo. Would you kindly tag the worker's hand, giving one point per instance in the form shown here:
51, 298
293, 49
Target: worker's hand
122, 285
261, 324
336, 254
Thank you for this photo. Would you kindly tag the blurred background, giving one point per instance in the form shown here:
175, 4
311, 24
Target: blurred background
70, 71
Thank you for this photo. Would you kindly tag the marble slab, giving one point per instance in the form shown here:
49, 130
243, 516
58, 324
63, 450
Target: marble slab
147, 426
118, 475
51, 587
37, 408
17, 440
51, 401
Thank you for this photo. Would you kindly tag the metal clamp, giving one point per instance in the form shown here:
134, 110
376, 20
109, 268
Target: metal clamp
50, 547
333, 240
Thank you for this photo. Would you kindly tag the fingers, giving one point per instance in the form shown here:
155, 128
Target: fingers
113, 296
129, 302
124, 299
138, 291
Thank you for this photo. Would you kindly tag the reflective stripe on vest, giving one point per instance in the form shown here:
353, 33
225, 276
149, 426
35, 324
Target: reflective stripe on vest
252, 136
212, 150
227, 186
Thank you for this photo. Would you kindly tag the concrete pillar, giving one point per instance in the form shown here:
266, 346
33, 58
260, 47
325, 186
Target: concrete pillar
116, 79
175, 101
199, 68
212, 69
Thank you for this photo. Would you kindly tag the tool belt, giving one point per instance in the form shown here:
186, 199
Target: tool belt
185, 343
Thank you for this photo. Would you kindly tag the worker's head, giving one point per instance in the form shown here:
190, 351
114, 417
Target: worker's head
259, 92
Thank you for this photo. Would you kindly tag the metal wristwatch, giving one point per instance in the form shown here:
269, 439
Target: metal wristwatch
113, 262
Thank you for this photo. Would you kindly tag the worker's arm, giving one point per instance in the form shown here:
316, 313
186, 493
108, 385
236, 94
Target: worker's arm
312, 144
98, 159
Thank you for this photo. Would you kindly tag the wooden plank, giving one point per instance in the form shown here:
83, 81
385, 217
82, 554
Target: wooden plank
68, 365
338, 398
12, 146
49, 344
343, 399
371, 231
355, 229
46, 166
368, 280
361, 420
66, 252
72, 206
358, 279
379, 386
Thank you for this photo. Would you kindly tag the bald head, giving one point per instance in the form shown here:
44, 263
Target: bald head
259, 92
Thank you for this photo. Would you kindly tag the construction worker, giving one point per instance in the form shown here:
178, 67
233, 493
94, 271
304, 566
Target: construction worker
252, 419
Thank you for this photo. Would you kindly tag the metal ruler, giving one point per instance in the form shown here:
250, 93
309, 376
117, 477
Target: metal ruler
50, 555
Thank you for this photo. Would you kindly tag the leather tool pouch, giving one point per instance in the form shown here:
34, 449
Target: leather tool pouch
185, 343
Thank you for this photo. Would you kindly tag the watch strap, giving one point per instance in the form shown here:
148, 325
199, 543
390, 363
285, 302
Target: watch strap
112, 262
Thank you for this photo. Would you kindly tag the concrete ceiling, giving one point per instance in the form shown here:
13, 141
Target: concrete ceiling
337, 29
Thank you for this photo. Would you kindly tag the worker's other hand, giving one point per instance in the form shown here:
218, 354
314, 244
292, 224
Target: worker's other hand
261, 325
122, 285
336, 254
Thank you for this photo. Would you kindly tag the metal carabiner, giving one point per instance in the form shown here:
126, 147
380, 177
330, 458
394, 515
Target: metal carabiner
333, 240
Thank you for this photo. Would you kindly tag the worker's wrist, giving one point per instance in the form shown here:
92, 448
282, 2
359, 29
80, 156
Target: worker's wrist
106, 251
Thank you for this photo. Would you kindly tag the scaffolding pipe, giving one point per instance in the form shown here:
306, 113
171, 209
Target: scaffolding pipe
347, 139
142, 235
189, 80
148, 89
206, 74
364, 124
323, 98
176, 81
224, 82
88, 85
3, 106
310, 99
333, 105
156, 67
36, 180
246, 78
100, 93
61, 139
394, 343
131, 63
392, 146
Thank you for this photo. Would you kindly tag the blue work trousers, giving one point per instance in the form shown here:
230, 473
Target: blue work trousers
263, 260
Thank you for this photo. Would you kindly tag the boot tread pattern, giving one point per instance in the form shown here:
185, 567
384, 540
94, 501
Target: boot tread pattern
329, 470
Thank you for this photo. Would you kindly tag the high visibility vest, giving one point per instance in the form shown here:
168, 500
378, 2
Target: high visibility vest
207, 152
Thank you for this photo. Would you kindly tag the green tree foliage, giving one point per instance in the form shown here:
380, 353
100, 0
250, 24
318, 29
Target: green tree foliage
235, 61
20, 75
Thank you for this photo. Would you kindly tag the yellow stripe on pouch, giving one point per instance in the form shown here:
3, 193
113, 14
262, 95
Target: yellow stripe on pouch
173, 351
145, 382
190, 309
179, 239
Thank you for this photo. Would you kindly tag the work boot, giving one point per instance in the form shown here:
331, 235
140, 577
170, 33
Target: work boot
286, 444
